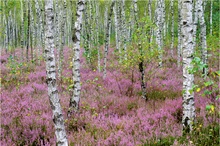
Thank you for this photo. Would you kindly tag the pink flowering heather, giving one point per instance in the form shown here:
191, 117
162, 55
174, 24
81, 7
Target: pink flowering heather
111, 112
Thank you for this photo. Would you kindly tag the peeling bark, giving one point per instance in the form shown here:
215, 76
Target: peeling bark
51, 76
159, 29
188, 79
74, 100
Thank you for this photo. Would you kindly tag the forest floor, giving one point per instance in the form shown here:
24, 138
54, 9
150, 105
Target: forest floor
112, 112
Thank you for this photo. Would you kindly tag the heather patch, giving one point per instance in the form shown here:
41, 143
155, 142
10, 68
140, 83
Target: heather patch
111, 112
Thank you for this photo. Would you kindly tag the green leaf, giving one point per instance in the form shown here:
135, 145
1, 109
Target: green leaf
218, 72
207, 92
208, 83
191, 91
208, 107
197, 59
70, 86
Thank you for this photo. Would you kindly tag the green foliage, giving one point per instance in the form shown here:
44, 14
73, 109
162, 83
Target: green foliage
209, 84
157, 94
207, 136
161, 142
141, 49
202, 135
132, 105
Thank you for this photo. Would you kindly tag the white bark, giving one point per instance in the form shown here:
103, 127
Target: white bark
87, 33
107, 38
60, 49
91, 42
195, 20
163, 19
42, 26
150, 15
159, 29
51, 76
179, 47
188, 79
22, 30
58, 28
149, 9
119, 29
116, 26
124, 29
38, 30
97, 35
172, 27
32, 33
74, 101
28, 31
203, 34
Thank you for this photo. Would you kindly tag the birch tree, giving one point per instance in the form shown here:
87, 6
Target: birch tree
107, 37
60, 49
22, 29
159, 24
115, 9
195, 21
188, 78
203, 33
38, 30
32, 32
179, 46
74, 100
141, 63
172, 27
211, 16
51, 76
28, 31
97, 35
123, 19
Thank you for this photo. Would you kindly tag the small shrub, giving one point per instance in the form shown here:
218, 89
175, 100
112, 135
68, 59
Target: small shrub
132, 105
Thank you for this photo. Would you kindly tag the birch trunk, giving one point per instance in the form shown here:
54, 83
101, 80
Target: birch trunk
141, 63
179, 47
60, 50
97, 36
195, 20
119, 29
28, 32
22, 28
38, 30
51, 76
74, 101
150, 15
42, 26
91, 25
58, 26
116, 25
149, 9
32, 32
159, 24
124, 29
87, 34
163, 20
172, 27
188, 79
203, 34
107, 37
10, 32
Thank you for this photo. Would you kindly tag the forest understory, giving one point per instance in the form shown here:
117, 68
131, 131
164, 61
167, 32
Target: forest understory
109, 73
111, 112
